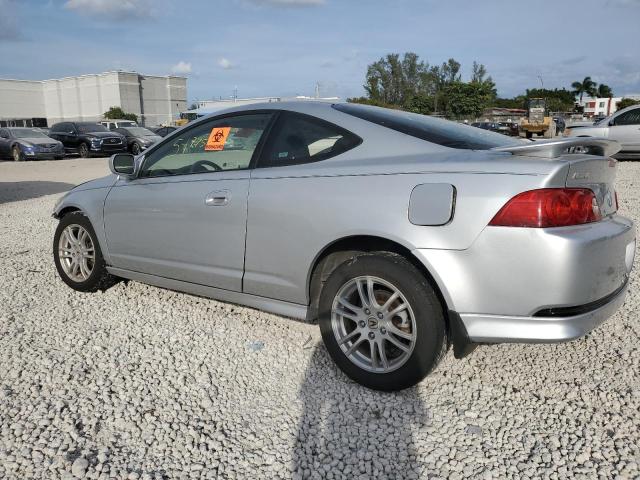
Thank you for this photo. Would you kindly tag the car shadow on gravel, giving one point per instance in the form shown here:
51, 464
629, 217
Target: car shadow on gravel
16, 191
354, 432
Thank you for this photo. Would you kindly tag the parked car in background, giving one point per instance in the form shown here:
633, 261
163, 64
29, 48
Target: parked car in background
425, 233
163, 131
22, 143
113, 124
88, 139
514, 129
497, 127
138, 138
623, 126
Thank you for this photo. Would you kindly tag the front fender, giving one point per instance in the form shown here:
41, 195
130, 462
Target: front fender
91, 203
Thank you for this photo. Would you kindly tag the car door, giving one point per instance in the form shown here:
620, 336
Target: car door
184, 216
282, 237
626, 130
5, 140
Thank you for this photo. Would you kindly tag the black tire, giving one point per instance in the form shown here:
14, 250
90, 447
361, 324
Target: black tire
83, 150
17, 154
99, 279
431, 342
135, 149
59, 158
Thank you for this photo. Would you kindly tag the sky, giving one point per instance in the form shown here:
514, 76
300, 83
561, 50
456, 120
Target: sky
286, 47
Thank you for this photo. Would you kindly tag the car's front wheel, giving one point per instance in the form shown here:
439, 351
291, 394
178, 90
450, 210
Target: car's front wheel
77, 255
135, 149
381, 321
84, 150
17, 154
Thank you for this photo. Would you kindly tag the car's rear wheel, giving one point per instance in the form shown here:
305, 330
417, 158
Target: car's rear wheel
84, 150
381, 321
77, 255
17, 154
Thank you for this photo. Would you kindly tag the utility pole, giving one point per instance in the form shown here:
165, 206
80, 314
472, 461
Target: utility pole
541, 82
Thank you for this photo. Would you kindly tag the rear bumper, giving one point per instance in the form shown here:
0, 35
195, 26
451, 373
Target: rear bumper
536, 285
538, 329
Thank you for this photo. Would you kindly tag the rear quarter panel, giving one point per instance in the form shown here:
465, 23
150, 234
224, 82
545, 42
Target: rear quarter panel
292, 218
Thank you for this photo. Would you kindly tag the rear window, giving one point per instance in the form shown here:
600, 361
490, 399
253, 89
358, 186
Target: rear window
434, 130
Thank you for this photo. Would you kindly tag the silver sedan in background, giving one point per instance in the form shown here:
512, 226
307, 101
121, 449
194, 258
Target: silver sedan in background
623, 127
401, 234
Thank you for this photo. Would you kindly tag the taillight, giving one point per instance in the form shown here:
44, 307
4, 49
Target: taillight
549, 207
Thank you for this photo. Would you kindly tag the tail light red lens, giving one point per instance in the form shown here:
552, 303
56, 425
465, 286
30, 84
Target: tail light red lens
549, 207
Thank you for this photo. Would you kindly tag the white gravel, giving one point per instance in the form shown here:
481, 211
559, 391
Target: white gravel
141, 383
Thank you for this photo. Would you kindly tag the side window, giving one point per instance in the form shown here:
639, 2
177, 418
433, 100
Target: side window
298, 139
629, 118
220, 144
57, 128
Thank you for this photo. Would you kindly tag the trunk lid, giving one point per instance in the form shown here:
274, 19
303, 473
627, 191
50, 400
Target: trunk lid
597, 174
590, 165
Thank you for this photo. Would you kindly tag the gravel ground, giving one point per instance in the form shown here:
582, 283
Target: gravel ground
139, 382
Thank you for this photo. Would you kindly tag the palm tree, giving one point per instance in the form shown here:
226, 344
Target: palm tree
587, 86
604, 91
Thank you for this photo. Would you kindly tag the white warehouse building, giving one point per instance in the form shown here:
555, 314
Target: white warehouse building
156, 100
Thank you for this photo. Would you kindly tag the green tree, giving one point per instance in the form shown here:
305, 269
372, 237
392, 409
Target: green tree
558, 99
587, 86
604, 91
392, 80
118, 113
626, 102
467, 99
421, 103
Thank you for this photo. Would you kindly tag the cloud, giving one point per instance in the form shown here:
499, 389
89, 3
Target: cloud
289, 3
181, 68
225, 64
111, 9
8, 23
574, 60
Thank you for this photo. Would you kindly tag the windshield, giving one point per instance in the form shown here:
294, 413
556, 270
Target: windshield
90, 127
127, 124
536, 103
139, 132
434, 130
27, 133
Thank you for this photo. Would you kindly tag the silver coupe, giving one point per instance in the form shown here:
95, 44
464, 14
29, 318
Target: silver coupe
401, 234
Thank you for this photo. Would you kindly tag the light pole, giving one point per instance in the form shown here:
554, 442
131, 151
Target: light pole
541, 82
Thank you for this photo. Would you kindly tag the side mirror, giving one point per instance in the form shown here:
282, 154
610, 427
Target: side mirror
123, 164
612, 122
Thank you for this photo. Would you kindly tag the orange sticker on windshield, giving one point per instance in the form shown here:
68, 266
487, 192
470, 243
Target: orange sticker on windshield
217, 137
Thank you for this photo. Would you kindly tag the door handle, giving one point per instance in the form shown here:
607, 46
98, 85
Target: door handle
217, 199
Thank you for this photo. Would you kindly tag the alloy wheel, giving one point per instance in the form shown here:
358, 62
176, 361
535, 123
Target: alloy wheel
373, 324
76, 252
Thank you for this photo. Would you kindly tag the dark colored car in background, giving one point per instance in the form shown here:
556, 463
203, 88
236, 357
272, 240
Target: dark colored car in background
138, 138
22, 143
163, 131
88, 139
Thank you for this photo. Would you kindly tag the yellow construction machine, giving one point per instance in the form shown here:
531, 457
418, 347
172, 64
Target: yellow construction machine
537, 119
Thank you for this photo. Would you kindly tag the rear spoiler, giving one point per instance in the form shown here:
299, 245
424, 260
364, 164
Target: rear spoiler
556, 148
